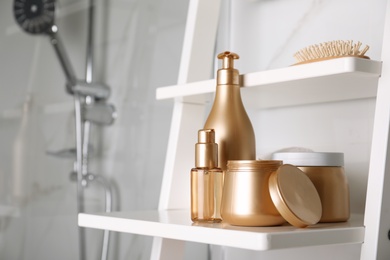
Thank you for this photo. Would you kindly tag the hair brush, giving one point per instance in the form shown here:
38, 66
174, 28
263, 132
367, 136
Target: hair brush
330, 50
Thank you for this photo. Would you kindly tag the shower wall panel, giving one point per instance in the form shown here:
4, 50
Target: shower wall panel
137, 48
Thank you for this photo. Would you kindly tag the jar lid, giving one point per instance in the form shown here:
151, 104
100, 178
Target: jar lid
310, 158
248, 165
295, 196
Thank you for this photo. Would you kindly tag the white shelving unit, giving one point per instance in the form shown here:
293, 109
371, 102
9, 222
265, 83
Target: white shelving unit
327, 81
358, 78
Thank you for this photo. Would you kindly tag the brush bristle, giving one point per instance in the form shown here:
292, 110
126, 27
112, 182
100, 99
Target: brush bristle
329, 50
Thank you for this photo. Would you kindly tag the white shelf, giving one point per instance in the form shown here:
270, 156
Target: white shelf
176, 224
325, 81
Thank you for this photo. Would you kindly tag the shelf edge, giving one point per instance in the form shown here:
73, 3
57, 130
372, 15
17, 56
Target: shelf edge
363, 67
244, 238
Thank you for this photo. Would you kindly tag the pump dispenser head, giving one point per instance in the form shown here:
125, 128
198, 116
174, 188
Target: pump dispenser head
206, 150
228, 75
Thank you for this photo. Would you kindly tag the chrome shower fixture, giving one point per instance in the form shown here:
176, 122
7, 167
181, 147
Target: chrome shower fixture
37, 17
96, 90
100, 113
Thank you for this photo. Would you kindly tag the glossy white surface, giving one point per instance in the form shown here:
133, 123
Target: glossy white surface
318, 82
176, 224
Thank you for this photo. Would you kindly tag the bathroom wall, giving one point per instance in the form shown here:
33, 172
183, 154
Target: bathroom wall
266, 34
138, 47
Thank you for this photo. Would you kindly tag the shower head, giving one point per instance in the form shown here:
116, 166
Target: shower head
35, 16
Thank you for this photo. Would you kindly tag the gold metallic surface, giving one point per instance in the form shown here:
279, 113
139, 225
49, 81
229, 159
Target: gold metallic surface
295, 196
206, 136
227, 58
228, 75
246, 199
206, 150
332, 186
233, 130
326, 171
206, 180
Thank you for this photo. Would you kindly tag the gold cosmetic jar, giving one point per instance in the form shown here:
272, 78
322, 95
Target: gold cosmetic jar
326, 171
268, 193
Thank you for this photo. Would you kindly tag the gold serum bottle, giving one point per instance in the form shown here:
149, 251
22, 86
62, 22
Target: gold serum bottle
233, 129
206, 180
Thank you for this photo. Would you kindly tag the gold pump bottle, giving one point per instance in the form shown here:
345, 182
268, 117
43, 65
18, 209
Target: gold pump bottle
206, 180
233, 130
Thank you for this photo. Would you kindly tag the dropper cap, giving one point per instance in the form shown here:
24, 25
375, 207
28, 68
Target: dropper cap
206, 150
228, 75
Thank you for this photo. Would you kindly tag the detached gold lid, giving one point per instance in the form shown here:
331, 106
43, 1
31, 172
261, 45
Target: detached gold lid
206, 149
295, 196
228, 75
